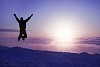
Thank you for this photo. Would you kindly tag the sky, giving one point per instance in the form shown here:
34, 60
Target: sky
79, 18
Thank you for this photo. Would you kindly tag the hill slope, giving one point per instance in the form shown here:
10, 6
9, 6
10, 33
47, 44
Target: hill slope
22, 57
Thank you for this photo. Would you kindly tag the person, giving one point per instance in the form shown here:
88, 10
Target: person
22, 26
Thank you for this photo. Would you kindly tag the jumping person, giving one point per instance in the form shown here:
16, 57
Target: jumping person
22, 26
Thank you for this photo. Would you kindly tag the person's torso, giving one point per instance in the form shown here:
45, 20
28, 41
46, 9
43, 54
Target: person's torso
22, 25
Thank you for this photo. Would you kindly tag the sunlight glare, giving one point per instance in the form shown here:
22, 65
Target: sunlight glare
63, 34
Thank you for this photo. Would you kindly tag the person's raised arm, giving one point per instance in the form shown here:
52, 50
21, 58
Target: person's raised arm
16, 17
29, 18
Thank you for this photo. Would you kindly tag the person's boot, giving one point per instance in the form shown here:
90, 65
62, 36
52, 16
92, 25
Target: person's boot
19, 38
23, 38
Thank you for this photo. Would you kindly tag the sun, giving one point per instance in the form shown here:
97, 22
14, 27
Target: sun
63, 33
64, 36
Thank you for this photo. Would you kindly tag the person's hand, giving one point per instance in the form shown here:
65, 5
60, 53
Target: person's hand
14, 14
31, 14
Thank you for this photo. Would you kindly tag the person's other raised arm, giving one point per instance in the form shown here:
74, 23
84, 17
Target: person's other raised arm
29, 18
16, 17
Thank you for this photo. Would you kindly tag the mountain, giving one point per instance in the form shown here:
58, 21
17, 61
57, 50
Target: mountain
22, 57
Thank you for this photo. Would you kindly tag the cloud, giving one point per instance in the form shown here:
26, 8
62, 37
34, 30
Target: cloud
32, 41
9, 30
39, 40
45, 43
91, 40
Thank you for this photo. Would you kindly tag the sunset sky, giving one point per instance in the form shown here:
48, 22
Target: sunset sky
57, 19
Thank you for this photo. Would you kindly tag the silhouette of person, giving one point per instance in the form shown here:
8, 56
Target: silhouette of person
22, 26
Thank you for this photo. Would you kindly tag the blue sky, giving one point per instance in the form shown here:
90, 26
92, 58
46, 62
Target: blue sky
82, 16
85, 14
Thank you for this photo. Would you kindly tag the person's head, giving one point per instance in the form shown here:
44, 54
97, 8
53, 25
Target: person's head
21, 18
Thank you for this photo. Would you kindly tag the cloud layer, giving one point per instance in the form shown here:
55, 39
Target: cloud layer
91, 40
9, 30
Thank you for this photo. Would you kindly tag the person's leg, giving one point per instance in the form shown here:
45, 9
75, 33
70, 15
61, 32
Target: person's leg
19, 38
20, 35
23, 38
25, 34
